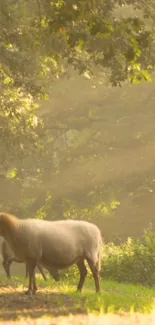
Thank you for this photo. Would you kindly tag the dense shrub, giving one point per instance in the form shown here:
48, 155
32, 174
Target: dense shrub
132, 261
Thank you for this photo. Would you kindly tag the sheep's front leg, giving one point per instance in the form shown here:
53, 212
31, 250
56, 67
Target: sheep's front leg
32, 283
27, 271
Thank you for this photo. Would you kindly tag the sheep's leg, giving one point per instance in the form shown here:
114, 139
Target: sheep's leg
27, 271
6, 265
32, 284
95, 271
41, 271
83, 273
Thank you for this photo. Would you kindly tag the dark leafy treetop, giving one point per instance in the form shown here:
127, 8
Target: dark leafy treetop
107, 34
115, 36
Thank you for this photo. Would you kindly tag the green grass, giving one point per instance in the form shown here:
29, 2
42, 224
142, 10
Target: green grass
114, 298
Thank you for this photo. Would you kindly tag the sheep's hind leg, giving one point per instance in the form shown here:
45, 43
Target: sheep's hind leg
32, 284
83, 273
95, 271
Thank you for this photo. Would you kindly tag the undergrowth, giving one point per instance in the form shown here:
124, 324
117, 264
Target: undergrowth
132, 261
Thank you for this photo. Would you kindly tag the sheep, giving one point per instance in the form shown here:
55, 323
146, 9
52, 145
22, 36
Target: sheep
9, 257
54, 244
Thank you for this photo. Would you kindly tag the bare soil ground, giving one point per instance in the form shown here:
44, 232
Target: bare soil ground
14, 304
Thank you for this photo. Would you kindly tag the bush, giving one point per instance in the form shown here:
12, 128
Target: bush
133, 261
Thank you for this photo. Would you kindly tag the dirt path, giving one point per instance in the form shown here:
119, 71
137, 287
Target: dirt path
14, 304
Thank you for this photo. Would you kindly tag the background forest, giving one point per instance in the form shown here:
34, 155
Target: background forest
77, 136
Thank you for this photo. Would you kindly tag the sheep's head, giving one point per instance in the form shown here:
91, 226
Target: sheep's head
3, 219
7, 222
55, 274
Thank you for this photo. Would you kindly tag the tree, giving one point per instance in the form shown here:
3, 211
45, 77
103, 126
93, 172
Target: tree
97, 34
39, 41
43, 37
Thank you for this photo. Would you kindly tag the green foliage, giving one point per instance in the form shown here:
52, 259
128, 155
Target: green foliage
78, 33
45, 210
18, 123
39, 40
97, 209
132, 261
12, 173
100, 33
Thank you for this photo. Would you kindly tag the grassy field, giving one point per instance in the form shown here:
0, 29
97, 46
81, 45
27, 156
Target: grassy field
58, 303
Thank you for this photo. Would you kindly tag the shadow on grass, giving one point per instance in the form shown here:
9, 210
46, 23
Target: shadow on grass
17, 304
61, 300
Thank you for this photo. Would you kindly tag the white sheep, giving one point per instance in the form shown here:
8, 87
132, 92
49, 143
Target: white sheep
9, 257
54, 244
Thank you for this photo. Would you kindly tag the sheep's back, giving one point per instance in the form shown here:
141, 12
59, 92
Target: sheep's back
56, 243
65, 241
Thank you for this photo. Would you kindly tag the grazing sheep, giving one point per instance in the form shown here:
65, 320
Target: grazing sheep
9, 257
54, 244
